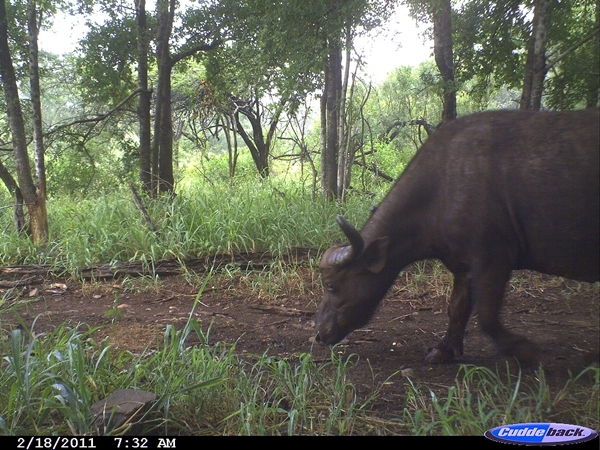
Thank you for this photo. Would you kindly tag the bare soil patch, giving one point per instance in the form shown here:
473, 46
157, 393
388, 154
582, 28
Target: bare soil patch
561, 316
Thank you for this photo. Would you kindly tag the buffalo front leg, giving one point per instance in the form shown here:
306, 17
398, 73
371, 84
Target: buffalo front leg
459, 311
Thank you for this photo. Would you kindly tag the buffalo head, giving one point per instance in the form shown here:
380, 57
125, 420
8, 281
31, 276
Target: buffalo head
355, 280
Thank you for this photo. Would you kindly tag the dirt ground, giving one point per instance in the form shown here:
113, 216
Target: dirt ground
561, 316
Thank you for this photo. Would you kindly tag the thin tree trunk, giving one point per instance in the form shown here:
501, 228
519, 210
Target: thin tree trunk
36, 102
231, 138
323, 132
143, 110
13, 188
166, 180
535, 65
350, 145
343, 144
333, 88
444, 56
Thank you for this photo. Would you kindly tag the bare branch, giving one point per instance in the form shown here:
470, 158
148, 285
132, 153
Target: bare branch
142, 208
390, 134
193, 50
373, 168
574, 47
98, 118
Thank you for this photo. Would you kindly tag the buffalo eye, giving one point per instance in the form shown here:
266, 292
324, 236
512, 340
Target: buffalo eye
330, 287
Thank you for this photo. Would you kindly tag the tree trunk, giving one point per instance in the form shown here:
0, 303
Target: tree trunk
256, 145
232, 147
344, 158
535, 65
444, 57
143, 110
333, 89
39, 224
13, 188
166, 180
36, 204
162, 149
323, 135
353, 140
36, 102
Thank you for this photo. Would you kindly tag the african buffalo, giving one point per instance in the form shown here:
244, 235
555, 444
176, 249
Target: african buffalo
486, 194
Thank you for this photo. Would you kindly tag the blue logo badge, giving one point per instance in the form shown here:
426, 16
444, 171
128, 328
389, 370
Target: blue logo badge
540, 434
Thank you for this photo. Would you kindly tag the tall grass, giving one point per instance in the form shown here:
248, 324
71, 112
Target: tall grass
203, 220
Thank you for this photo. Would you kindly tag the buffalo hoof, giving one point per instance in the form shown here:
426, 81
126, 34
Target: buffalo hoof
439, 355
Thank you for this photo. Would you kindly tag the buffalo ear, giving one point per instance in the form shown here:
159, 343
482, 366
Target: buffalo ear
374, 257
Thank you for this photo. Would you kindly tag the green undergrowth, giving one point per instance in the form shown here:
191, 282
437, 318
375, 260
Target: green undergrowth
49, 382
202, 220
482, 398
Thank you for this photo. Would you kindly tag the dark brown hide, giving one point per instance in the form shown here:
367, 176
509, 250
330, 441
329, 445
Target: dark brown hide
486, 194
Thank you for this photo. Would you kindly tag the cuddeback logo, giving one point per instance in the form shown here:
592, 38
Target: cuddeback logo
540, 434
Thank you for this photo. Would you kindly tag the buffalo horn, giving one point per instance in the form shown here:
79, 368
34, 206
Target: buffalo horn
356, 240
340, 256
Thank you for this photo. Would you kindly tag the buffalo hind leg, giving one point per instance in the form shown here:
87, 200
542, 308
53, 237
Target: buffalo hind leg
459, 311
488, 293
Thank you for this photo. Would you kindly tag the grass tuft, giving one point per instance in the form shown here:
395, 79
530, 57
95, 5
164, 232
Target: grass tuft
482, 399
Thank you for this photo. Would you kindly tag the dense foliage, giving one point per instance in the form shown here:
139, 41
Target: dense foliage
250, 101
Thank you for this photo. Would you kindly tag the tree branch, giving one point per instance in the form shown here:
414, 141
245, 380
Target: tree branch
373, 168
98, 118
193, 50
571, 49
402, 123
142, 208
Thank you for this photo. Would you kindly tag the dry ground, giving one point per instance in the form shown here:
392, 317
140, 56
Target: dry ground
561, 316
